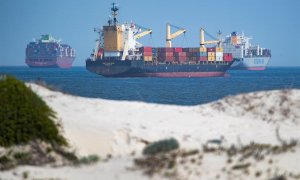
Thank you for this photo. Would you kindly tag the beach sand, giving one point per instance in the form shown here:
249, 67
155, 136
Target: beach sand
121, 128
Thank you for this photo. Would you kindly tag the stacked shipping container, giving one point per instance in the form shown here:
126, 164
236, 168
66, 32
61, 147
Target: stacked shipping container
146, 53
181, 55
165, 54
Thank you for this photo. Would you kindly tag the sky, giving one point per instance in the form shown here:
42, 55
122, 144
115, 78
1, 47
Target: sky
272, 24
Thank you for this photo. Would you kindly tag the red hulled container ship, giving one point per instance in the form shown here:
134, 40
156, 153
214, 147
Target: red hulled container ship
48, 52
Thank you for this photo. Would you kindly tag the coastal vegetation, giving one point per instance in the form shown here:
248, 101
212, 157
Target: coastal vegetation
29, 131
24, 116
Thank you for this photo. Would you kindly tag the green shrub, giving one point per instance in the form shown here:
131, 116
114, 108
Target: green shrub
91, 159
24, 116
161, 146
6, 163
4, 159
22, 157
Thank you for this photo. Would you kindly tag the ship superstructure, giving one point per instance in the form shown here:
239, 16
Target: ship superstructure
49, 52
119, 54
248, 56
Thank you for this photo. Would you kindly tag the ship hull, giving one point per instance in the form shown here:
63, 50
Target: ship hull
251, 63
138, 68
60, 62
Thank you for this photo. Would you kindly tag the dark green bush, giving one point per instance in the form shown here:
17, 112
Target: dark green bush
24, 116
90, 159
161, 146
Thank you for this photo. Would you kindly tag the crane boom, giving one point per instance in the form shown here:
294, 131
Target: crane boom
170, 36
203, 42
143, 33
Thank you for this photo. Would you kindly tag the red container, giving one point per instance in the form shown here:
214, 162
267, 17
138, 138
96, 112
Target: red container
178, 49
211, 49
145, 49
147, 53
180, 58
180, 54
227, 54
227, 57
202, 58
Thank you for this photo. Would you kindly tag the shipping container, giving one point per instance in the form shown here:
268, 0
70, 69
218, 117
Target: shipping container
219, 54
180, 58
145, 49
178, 49
180, 54
202, 49
202, 54
219, 49
165, 58
193, 58
165, 54
202, 58
147, 58
211, 49
165, 49
211, 58
219, 58
194, 49
185, 49
227, 60
147, 53
211, 54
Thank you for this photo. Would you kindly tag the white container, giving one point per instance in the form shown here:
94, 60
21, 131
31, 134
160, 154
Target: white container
219, 54
219, 58
112, 54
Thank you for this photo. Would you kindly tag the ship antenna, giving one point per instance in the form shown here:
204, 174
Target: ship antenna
219, 35
114, 12
109, 20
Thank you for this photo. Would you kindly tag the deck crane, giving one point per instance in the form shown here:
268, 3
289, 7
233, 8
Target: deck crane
203, 42
144, 32
170, 36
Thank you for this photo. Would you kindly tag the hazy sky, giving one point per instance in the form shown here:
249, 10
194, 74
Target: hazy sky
273, 24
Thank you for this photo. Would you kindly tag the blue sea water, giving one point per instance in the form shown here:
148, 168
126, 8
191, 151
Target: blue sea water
178, 91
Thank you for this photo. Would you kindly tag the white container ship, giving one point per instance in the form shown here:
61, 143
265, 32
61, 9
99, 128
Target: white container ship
247, 56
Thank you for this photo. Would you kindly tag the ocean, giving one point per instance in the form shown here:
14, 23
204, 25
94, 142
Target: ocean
177, 91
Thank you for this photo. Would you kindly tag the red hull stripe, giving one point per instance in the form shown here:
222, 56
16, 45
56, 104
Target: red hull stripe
185, 74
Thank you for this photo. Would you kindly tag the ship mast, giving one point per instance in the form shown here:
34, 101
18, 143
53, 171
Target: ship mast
114, 13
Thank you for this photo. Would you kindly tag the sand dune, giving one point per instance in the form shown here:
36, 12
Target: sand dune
119, 128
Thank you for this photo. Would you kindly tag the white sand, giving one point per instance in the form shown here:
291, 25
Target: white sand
102, 127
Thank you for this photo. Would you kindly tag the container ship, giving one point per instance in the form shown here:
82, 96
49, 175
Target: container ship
119, 54
48, 52
247, 56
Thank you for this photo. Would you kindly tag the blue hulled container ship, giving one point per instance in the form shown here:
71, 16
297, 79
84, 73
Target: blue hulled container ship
119, 54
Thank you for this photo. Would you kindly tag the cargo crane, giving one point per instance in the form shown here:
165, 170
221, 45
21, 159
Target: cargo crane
170, 36
145, 32
203, 42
